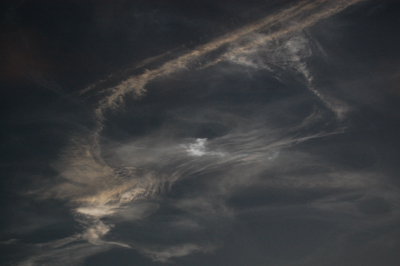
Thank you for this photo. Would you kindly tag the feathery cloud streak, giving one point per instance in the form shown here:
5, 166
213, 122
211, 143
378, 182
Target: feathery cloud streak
97, 190
292, 19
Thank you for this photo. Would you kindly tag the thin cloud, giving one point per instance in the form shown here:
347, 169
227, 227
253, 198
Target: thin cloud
304, 14
287, 55
198, 149
97, 190
165, 254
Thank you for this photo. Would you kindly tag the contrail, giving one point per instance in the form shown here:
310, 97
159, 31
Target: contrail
299, 16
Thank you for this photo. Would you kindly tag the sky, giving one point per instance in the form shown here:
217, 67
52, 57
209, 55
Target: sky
200, 132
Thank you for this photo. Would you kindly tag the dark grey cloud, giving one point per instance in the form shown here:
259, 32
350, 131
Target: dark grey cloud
252, 147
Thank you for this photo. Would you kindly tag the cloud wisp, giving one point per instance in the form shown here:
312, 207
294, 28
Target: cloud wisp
290, 20
104, 195
288, 55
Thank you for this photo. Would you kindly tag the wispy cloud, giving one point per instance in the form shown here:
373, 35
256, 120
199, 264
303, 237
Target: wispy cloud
198, 149
165, 254
101, 194
282, 56
290, 20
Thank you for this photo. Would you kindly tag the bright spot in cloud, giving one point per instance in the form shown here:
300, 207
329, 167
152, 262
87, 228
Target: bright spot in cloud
198, 149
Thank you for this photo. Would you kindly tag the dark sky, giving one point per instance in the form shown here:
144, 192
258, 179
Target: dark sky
200, 133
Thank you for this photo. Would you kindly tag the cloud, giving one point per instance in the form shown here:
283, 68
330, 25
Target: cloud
298, 16
165, 254
101, 194
287, 55
50, 255
198, 149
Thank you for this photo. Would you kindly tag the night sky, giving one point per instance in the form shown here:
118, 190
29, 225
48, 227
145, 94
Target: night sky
200, 133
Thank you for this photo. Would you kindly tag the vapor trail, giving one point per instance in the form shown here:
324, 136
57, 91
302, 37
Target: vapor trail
299, 16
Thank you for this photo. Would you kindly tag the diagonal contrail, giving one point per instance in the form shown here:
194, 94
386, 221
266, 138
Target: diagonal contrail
299, 16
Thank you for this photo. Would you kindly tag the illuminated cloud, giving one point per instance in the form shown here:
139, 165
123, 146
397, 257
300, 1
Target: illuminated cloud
101, 194
291, 20
198, 149
165, 254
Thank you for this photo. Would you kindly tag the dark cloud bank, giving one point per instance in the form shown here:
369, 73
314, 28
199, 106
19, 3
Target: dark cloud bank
201, 133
